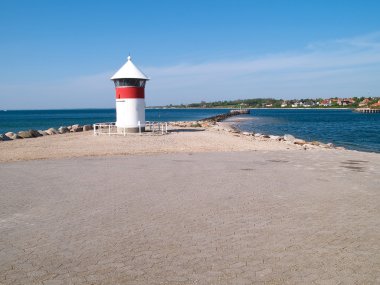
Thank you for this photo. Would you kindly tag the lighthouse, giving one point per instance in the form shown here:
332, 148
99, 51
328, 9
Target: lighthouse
130, 97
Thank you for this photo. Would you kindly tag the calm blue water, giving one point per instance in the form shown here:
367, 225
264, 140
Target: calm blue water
341, 127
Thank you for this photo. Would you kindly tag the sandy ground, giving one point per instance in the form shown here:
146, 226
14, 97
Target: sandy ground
86, 144
277, 215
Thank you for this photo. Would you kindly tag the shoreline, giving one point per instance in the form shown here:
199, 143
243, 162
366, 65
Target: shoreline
202, 134
250, 108
234, 127
229, 126
183, 137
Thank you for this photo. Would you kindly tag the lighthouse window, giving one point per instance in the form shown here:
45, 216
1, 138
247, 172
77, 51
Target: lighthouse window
130, 82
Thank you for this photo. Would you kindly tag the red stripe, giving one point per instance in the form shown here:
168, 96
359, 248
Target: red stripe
129, 92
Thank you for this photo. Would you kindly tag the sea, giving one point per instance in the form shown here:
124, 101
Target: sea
343, 127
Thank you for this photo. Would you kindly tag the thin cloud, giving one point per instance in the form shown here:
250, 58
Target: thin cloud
342, 67
334, 54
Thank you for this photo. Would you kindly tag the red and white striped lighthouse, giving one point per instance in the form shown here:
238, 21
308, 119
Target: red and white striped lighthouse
130, 97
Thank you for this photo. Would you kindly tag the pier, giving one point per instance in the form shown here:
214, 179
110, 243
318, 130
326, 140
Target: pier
240, 111
367, 110
231, 113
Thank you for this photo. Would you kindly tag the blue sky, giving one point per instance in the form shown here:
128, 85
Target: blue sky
60, 54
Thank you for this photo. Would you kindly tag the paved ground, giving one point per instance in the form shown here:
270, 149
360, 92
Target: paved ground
209, 218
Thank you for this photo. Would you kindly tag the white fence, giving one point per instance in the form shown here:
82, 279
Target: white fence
110, 128
156, 127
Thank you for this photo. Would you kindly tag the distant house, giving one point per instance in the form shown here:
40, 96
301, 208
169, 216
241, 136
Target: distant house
325, 103
284, 104
345, 101
376, 105
268, 105
365, 102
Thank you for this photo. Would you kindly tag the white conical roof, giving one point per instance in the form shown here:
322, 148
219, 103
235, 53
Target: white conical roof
129, 70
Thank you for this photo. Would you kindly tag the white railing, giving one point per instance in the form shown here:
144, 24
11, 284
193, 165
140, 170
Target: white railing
156, 127
110, 128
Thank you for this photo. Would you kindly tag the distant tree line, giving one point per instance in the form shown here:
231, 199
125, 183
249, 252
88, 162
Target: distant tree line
278, 103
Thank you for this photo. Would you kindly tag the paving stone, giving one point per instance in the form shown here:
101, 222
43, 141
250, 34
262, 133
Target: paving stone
203, 221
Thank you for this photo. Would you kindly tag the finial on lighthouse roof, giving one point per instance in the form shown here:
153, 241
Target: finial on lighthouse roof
129, 70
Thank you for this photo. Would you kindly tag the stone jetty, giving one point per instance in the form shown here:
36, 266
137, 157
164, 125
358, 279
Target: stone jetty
231, 113
287, 139
39, 133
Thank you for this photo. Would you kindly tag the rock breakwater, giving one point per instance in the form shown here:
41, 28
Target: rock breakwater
222, 117
287, 138
39, 133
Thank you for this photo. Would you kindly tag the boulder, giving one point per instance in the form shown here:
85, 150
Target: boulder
275, 138
51, 131
330, 145
3, 137
289, 138
69, 128
25, 134
12, 136
257, 135
74, 127
35, 133
316, 143
265, 136
43, 133
87, 128
299, 142
75, 130
247, 133
193, 125
63, 130
308, 146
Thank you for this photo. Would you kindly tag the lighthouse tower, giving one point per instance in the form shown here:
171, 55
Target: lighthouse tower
130, 97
